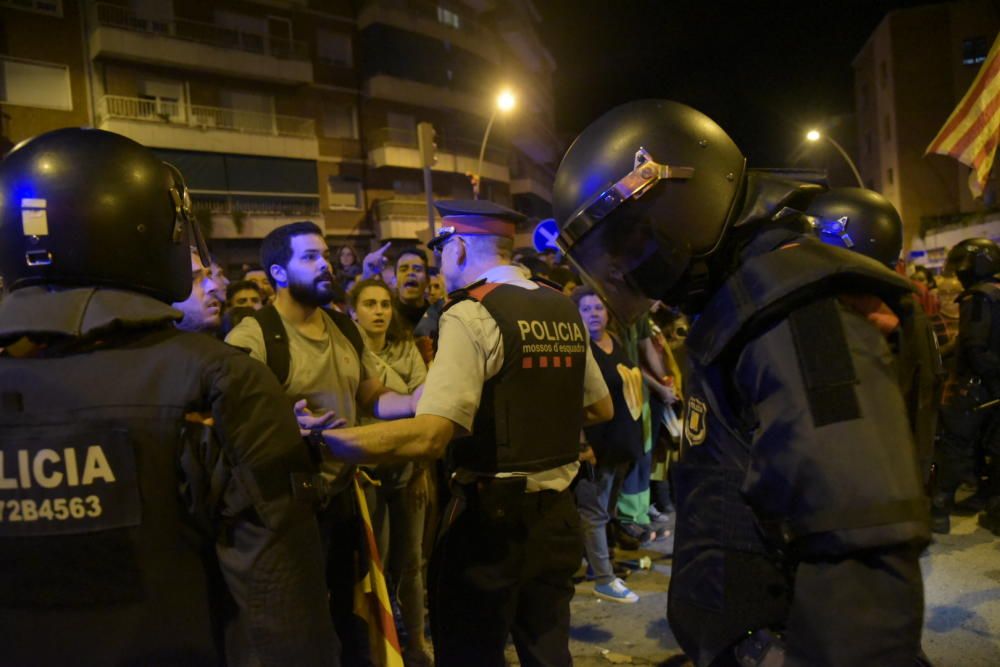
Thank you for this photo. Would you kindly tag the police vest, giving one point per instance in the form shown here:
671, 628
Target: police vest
986, 295
107, 534
730, 574
531, 412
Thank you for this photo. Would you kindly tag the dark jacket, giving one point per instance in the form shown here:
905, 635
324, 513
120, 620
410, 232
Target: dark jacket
183, 545
800, 507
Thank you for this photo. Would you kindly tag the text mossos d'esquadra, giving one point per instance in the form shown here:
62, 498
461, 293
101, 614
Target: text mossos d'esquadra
550, 337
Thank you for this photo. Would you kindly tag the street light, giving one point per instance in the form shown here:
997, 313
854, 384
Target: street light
815, 135
505, 102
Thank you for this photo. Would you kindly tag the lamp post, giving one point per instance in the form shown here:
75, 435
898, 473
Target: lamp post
505, 102
815, 135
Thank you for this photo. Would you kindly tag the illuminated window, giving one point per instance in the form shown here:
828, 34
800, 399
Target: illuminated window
448, 17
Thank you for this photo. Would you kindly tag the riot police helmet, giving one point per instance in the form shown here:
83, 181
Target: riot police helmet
860, 220
974, 261
84, 207
645, 193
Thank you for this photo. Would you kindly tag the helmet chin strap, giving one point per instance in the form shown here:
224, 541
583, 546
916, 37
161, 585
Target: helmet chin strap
184, 219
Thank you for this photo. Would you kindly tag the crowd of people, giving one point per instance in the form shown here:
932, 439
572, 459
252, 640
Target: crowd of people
399, 460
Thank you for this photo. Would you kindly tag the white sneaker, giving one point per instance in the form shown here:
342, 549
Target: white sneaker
615, 591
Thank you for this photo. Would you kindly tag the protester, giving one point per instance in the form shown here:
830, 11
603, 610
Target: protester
347, 264
319, 358
259, 276
611, 447
202, 309
399, 511
244, 294
411, 286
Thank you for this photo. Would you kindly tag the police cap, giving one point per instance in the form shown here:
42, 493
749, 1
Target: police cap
475, 217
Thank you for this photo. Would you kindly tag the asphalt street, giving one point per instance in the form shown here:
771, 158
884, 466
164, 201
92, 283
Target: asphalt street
962, 615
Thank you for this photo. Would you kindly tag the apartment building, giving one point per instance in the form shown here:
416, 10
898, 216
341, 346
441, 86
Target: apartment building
445, 63
909, 76
295, 109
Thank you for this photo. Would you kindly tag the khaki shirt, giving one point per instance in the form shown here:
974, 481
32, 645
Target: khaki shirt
470, 352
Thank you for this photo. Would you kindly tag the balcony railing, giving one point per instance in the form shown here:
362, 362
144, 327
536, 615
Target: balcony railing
115, 16
391, 136
398, 208
248, 204
204, 117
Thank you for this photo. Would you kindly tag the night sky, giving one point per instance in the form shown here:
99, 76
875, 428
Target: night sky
763, 70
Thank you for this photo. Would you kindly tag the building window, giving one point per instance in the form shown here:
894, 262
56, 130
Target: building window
886, 128
29, 83
343, 193
340, 122
334, 48
407, 187
448, 17
974, 50
889, 176
51, 7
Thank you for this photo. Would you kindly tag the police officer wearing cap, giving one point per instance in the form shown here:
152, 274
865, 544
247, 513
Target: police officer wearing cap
510, 388
970, 415
800, 511
147, 514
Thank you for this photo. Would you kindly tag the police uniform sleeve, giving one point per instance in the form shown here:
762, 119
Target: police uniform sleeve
470, 351
834, 483
974, 337
268, 544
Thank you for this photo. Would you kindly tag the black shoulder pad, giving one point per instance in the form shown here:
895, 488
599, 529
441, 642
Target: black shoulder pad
825, 361
275, 341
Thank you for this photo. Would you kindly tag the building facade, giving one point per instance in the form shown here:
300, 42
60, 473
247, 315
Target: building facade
909, 76
296, 109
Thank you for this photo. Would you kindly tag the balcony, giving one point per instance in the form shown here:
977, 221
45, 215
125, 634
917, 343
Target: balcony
400, 218
119, 32
157, 122
529, 178
406, 91
421, 16
392, 147
235, 216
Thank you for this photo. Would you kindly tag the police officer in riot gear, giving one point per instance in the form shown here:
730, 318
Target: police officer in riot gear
145, 473
867, 223
968, 418
800, 514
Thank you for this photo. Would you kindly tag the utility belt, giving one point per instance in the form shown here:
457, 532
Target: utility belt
500, 498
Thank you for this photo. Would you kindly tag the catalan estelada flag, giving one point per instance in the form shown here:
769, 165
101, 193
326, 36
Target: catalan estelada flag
970, 133
371, 596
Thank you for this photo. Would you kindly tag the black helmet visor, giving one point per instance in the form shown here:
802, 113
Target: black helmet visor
623, 256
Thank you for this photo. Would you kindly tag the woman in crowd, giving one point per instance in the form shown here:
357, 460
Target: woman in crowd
348, 266
401, 499
611, 447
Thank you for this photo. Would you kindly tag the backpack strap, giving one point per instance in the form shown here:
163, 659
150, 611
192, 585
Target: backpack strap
275, 341
349, 329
